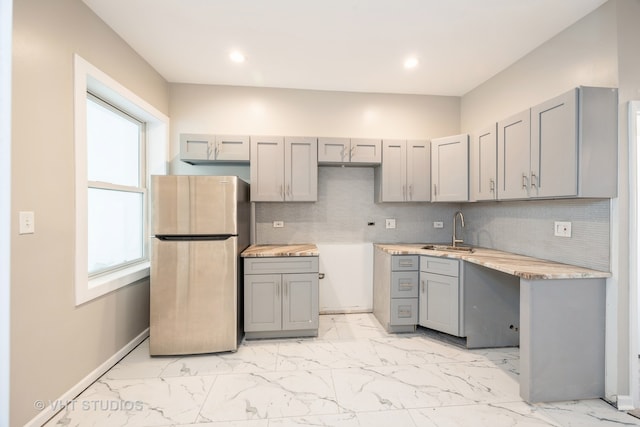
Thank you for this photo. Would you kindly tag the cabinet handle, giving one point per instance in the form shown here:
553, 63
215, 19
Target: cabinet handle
410, 191
492, 185
435, 190
217, 149
342, 152
405, 286
422, 283
534, 178
288, 189
524, 181
351, 152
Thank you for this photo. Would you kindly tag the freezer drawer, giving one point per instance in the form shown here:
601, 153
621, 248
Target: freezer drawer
194, 297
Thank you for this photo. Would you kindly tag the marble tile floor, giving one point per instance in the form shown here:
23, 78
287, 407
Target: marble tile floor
352, 374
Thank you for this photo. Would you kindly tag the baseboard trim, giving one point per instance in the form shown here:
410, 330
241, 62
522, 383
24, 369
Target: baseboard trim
624, 403
59, 404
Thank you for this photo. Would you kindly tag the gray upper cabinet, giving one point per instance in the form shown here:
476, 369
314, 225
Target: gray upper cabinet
514, 141
450, 169
404, 175
301, 169
204, 148
574, 145
356, 151
483, 166
284, 169
267, 169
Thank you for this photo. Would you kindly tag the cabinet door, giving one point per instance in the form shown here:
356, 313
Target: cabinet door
450, 169
262, 302
333, 150
439, 303
554, 147
418, 171
301, 169
394, 171
365, 150
195, 148
267, 169
513, 156
483, 164
300, 301
231, 148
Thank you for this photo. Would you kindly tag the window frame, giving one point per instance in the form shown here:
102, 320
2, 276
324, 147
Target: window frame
141, 188
89, 79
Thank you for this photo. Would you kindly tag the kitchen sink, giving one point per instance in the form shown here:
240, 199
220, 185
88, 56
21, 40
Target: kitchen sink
448, 248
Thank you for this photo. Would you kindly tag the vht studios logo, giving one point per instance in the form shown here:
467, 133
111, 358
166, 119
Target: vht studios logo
90, 405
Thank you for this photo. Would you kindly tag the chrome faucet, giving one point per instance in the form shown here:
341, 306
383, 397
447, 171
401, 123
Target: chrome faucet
455, 239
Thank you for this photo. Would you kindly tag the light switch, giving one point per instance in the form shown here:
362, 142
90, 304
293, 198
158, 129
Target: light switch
27, 222
390, 223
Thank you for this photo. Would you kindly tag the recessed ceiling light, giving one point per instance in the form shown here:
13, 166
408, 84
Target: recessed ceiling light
237, 56
411, 62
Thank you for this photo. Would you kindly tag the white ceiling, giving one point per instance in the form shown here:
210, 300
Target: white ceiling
346, 45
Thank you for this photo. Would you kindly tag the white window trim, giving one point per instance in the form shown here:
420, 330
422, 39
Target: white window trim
89, 78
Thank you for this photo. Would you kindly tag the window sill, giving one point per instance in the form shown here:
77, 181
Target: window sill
106, 283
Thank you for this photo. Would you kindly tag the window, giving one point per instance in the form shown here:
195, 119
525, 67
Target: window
116, 188
119, 141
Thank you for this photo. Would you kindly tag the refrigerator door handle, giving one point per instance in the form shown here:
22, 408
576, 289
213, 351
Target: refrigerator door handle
177, 238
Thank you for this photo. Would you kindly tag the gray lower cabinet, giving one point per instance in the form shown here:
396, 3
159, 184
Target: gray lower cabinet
280, 297
441, 295
395, 291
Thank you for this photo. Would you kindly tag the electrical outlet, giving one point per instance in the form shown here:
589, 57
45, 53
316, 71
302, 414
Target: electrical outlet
27, 222
562, 228
438, 224
390, 223
278, 224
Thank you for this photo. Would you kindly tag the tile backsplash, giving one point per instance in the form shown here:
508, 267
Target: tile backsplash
346, 205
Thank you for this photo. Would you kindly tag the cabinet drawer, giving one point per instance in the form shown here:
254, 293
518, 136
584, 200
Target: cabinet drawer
404, 262
448, 267
270, 265
404, 311
404, 284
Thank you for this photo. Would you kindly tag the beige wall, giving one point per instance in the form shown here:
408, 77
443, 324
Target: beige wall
584, 54
53, 343
265, 111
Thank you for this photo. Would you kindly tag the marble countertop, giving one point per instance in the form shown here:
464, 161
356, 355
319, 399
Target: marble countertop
517, 265
306, 249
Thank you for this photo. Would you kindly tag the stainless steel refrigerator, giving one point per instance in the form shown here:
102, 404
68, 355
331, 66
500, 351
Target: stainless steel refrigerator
200, 225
